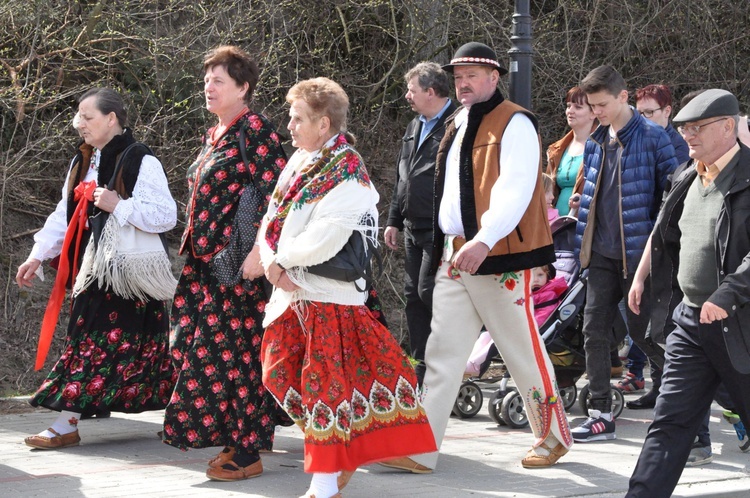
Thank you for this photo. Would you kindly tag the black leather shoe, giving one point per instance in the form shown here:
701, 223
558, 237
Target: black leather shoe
646, 401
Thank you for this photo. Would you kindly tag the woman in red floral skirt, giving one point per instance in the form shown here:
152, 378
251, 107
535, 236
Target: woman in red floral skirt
219, 399
336, 370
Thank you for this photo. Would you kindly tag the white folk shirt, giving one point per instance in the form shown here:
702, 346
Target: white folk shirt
512, 192
151, 208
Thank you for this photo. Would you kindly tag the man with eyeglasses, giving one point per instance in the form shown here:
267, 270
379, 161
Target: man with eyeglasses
701, 241
627, 162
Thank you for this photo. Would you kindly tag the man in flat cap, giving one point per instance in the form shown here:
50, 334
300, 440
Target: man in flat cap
701, 241
490, 230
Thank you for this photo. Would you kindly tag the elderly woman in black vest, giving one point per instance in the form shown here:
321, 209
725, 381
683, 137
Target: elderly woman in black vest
115, 356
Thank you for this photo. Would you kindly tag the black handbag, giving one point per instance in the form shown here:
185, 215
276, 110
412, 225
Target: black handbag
354, 260
227, 263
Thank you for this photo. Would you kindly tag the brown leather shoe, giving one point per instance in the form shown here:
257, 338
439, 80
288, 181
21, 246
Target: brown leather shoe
406, 463
534, 461
223, 457
236, 474
53, 443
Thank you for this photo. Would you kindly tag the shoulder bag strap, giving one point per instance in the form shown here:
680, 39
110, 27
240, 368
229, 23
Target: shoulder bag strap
118, 166
243, 153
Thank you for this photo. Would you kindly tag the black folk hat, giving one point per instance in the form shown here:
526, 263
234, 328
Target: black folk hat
475, 54
709, 104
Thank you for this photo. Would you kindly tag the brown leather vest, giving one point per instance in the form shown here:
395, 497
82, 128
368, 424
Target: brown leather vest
530, 244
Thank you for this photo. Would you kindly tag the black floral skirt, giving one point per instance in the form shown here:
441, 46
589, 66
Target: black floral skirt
116, 357
219, 398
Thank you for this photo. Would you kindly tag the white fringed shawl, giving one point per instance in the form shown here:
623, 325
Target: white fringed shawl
316, 223
131, 262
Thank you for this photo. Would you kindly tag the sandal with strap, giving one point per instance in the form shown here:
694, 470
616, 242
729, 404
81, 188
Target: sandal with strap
223, 457
236, 473
631, 384
535, 461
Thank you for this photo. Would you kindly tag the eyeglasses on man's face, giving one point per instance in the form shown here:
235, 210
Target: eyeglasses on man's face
648, 113
695, 129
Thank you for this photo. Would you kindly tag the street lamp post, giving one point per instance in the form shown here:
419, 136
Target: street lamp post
520, 55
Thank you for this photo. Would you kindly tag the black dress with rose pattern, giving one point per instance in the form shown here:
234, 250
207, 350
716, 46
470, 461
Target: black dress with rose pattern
216, 332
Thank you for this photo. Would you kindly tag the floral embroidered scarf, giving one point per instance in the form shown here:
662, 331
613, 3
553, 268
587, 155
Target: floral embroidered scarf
337, 163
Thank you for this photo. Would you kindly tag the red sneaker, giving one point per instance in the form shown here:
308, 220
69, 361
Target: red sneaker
630, 384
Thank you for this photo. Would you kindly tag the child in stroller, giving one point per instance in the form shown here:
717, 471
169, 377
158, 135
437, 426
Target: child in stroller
547, 290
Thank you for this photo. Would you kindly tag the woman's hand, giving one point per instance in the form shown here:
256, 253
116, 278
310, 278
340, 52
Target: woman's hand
251, 268
273, 273
105, 199
285, 283
278, 278
27, 272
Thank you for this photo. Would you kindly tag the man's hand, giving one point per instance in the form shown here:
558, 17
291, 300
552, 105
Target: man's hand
390, 236
710, 313
634, 296
574, 202
27, 272
106, 199
470, 256
251, 268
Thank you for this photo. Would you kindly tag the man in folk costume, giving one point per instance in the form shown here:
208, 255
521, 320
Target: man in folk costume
491, 229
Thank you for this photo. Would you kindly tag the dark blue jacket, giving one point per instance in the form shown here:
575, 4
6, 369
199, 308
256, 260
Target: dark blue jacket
647, 158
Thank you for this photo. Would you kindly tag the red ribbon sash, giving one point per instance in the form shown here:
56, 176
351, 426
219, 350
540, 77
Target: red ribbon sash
83, 193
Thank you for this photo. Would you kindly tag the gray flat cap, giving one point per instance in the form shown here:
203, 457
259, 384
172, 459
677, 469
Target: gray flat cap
709, 104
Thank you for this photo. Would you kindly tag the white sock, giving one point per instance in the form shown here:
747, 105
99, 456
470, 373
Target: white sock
324, 485
66, 423
551, 442
597, 414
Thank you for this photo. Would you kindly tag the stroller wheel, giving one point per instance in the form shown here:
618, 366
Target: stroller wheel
513, 412
469, 400
568, 396
618, 400
495, 405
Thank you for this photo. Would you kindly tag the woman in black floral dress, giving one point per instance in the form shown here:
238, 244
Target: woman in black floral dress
116, 354
219, 399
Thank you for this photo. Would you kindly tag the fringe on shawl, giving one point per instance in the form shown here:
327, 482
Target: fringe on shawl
143, 275
350, 221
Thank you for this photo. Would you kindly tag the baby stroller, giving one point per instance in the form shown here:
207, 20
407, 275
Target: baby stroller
563, 339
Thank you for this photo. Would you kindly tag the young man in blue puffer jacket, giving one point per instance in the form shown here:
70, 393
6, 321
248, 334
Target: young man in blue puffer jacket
627, 161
